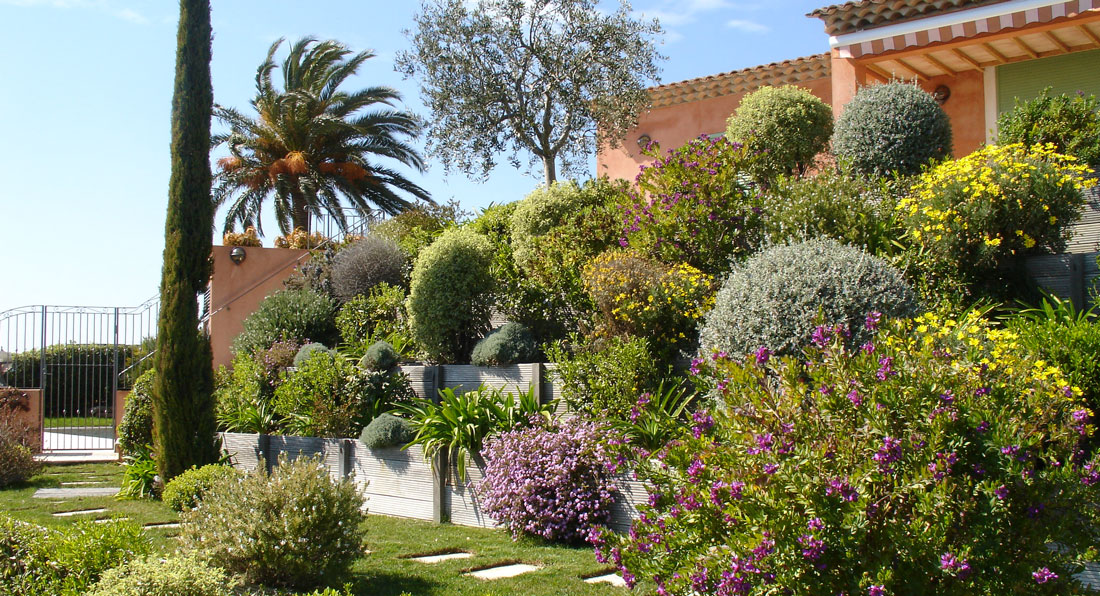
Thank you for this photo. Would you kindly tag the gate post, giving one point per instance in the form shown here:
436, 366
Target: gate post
42, 376
114, 370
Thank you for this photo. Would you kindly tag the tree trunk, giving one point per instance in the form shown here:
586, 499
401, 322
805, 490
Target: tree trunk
549, 169
298, 214
183, 401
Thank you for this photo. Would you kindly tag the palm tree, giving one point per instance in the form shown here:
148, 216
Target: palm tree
311, 144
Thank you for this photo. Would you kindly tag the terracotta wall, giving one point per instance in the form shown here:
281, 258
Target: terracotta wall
120, 404
672, 126
236, 290
32, 418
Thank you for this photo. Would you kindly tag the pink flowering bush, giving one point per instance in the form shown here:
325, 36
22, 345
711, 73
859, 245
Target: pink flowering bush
548, 480
938, 458
695, 205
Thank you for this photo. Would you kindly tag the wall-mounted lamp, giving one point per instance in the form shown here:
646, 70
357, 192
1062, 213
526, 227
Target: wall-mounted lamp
237, 255
644, 141
942, 94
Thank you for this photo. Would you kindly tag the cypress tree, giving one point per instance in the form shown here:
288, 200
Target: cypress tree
183, 402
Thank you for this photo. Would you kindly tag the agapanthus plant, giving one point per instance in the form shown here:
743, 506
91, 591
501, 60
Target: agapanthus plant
938, 458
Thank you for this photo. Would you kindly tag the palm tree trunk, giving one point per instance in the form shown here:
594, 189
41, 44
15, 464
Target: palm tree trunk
298, 213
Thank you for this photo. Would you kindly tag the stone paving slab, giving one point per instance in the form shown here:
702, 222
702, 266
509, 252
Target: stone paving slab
80, 512
611, 578
71, 493
157, 526
430, 559
503, 571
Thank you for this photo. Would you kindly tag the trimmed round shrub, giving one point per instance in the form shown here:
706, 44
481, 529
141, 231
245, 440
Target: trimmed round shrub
135, 430
387, 430
508, 344
786, 125
366, 263
1070, 122
187, 490
380, 356
306, 351
940, 459
778, 297
294, 527
548, 480
289, 314
171, 576
450, 295
894, 127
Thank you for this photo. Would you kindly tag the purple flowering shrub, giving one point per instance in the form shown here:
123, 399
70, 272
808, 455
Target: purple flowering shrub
695, 205
548, 480
938, 458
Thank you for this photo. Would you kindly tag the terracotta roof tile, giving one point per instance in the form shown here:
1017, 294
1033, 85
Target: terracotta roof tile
866, 14
787, 72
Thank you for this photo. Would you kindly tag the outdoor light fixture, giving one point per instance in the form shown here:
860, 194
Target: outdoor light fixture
644, 141
237, 255
942, 93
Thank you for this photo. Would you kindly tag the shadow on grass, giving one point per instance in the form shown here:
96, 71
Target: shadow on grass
392, 584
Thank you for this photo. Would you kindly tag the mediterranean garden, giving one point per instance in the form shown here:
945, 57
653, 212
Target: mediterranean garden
812, 343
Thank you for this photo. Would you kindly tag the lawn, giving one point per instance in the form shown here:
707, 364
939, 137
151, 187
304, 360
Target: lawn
385, 570
78, 421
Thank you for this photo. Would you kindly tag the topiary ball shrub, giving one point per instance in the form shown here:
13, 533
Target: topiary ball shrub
894, 127
548, 480
380, 356
293, 527
1070, 122
366, 263
186, 490
171, 576
508, 344
786, 125
387, 430
289, 315
940, 459
449, 298
307, 350
779, 296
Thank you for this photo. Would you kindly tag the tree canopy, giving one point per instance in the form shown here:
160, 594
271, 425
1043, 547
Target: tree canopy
551, 79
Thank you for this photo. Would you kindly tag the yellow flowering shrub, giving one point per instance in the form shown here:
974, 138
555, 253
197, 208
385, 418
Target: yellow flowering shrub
970, 217
247, 238
300, 239
637, 296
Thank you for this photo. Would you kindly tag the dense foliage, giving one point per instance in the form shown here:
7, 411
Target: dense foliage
695, 205
19, 438
940, 458
172, 576
893, 127
777, 297
135, 430
293, 527
387, 430
361, 266
1070, 122
307, 350
549, 480
367, 318
786, 125
380, 356
508, 344
187, 490
601, 377
298, 315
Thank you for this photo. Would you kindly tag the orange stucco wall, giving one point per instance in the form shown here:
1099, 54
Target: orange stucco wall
32, 417
672, 126
236, 290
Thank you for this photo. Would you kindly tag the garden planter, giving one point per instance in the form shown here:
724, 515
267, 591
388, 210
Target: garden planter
461, 499
395, 482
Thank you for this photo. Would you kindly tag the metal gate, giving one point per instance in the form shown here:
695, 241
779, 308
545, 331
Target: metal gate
79, 358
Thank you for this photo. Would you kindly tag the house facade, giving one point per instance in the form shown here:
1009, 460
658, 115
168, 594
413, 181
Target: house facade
977, 56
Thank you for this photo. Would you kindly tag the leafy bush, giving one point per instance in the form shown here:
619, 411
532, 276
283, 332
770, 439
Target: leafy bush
638, 297
449, 297
938, 460
387, 430
293, 527
1070, 122
307, 350
380, 356
244, 395
139, 477
288, 315
787, 125
894, 127
18, 439
17, 463
549, 480
365, 264
851, 209
508, 344
135, 430
695, 205
971, 219
172, 576
186, 490
657, 418
301, 240
777, 297
36, 561
377, 314
602, 377
314, 273
415, 229
246, 238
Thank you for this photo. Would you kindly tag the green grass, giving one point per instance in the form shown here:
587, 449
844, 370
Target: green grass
385, 571
78, 421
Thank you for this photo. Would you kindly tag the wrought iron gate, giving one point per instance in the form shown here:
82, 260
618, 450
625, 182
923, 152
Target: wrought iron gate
79, 358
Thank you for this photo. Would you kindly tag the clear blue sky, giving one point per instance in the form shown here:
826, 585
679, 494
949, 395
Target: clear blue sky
85, 96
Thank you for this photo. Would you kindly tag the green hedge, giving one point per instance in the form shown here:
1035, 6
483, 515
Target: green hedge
80, 375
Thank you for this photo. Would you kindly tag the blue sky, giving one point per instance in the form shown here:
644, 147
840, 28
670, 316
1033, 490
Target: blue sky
85, 97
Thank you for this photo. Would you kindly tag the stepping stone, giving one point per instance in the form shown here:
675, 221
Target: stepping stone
68, 493
165, 525
80, 512
443, 557
612, 578
110, 520
503, 571
82, 483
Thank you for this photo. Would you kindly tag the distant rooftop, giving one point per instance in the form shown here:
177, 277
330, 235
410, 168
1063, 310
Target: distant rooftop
867, 14
787, 72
